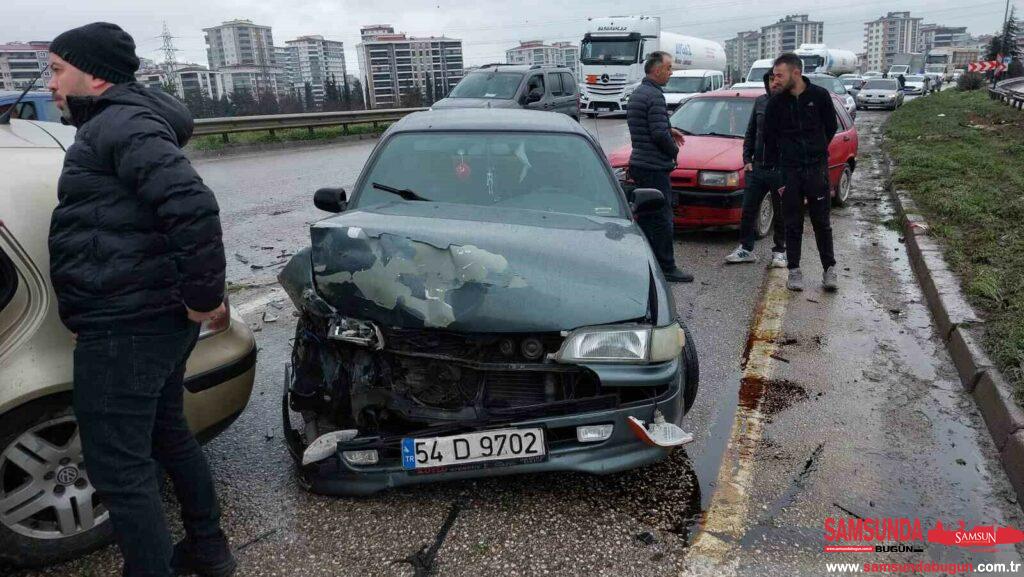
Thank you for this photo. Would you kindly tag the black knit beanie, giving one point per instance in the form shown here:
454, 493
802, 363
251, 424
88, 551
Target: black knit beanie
101, 49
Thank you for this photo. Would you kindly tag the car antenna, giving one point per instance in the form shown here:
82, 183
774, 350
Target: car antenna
5, 118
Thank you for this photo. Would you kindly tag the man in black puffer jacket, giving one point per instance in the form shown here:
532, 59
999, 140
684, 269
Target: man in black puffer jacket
655, 147
137, 263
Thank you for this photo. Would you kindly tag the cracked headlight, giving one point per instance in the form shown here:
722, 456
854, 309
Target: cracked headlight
622, 344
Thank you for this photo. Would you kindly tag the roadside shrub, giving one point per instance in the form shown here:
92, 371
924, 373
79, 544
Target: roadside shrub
970, 81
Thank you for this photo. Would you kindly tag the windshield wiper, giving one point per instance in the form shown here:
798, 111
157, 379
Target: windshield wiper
405, 193
720, 134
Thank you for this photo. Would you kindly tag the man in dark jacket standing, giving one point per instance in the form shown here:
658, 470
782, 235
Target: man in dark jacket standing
800, 122
137, 263
655, 147
762, 178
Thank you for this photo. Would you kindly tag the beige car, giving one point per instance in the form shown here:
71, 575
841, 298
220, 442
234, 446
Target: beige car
48, 509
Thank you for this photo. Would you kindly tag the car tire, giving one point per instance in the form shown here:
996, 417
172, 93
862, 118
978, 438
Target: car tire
843, 188
36, 540
765, 216
691, 366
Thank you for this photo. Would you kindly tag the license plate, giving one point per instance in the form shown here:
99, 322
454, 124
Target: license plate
472, 450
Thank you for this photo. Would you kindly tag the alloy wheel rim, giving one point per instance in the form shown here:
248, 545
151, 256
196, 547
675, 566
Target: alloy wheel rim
765, 215
844, 185
45, 491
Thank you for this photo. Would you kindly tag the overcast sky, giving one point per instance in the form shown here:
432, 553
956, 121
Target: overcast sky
487, 27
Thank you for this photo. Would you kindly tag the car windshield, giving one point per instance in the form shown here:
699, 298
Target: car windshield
610, 51
717, 116
533, 171
914, 78
829, 83
757, 74
684, 84
499, 85
852, 81
811, 63
881, 84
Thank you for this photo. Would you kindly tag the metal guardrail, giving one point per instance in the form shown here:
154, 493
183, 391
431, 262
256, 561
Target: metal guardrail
1010, 92
309, 121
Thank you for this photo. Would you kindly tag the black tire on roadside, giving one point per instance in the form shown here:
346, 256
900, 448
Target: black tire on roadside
24, 551
691, 365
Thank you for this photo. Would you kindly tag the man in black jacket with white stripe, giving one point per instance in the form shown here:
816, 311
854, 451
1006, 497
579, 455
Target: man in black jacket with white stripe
799, 124
137, 264
655, 147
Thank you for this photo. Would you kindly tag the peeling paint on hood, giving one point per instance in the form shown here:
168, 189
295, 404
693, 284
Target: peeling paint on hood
480, 269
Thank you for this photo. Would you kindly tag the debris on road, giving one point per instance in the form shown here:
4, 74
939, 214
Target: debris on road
241, 258
779, 357
647, 538
269, 317
423, 560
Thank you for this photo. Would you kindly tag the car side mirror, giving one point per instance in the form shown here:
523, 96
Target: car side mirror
648, 200
331, 199
743, 78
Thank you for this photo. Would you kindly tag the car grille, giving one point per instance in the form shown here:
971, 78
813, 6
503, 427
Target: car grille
612, 87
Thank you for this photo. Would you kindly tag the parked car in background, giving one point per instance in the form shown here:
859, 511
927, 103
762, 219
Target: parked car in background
838, 88
536, 87
48, 508
684, 84
708, 180
872, 74
439, 337
917, 85
852, 83
36, 105
880, 93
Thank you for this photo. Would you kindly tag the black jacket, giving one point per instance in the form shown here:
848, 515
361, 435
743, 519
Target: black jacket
649, 130
136, 235
753, 140
798, 130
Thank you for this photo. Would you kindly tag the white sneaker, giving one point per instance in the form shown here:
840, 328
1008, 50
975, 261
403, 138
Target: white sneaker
740, 255
778, 260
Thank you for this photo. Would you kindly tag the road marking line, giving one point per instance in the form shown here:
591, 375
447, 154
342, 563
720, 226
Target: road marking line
724, 522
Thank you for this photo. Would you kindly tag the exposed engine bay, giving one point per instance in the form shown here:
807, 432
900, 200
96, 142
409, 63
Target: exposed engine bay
384, 381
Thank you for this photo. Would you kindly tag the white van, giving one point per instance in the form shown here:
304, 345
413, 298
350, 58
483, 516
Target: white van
685, 83
755, 77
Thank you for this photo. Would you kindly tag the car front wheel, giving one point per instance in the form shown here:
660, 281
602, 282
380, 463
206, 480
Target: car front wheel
49, 511
844, 186
765, 216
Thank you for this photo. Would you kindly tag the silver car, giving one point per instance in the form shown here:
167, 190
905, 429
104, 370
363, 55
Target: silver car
880, 93
535, 87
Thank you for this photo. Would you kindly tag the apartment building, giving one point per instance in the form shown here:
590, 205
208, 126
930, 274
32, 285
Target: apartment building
244, 53
314, 60
892, 34
395, 67
537, 52
788, 34
740, 52
20, 63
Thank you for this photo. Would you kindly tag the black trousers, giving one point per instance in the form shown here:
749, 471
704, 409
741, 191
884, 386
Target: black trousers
657, 225
808, 182
759, 183
128, 398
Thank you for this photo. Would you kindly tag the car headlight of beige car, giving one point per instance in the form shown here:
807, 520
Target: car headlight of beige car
48, 510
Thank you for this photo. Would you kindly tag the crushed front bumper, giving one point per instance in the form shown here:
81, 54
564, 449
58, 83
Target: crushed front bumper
622, 451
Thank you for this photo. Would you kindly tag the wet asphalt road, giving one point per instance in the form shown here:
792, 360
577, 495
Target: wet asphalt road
857, 411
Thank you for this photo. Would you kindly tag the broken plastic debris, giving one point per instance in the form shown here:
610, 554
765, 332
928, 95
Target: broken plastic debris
269, 317
660, 433
325, 445
241, 258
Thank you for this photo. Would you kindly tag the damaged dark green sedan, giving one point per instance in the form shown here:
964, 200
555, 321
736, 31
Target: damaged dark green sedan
484, 303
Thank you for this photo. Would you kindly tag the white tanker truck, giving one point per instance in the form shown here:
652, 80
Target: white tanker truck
612, 57
820, 59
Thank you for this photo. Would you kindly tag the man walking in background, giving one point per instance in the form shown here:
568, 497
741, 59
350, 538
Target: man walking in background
799, 124
655, 147
762, 178
137, 264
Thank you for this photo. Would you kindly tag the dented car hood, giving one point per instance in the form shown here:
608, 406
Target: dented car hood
480, 269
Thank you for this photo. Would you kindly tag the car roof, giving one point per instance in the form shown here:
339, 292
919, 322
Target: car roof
732, 93
519, 68
488, 120
26, 134
695, 73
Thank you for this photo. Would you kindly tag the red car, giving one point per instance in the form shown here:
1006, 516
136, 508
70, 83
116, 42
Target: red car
709, 180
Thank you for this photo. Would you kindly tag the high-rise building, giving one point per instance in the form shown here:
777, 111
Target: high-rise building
788, 34
740, 52
244, 54
400, 70
313, 60
892, 34
537, 52
20, 63
936, 36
